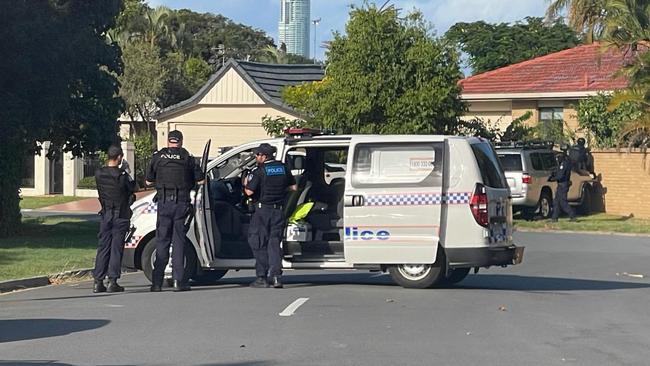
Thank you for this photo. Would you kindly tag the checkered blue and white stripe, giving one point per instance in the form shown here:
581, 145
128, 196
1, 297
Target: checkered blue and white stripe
417, 199
133, 241
152, 207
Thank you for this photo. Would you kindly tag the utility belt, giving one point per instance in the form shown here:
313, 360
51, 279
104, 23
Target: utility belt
174, 195
275, 206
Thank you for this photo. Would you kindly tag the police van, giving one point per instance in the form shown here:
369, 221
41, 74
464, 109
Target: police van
427, 209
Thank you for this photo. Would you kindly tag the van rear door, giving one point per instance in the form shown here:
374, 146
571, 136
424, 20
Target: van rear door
393, 196
495, 186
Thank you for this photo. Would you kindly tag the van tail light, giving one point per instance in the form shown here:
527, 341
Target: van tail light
526, 179
479, 205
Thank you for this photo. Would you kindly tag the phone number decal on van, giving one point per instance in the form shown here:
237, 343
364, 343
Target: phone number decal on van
416, 199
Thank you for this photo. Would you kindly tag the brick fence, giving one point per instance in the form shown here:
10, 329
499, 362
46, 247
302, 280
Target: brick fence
626, 178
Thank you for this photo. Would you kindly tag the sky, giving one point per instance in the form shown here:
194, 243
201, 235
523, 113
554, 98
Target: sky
264, 14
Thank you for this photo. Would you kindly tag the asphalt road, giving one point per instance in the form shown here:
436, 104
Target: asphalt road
574, 301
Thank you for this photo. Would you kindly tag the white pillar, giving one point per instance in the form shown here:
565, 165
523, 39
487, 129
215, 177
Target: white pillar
70, 174
128, 148
42, 171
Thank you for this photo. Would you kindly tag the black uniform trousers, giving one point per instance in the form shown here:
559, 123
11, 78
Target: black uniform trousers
264, 236
561, 201
112, 231
170, 228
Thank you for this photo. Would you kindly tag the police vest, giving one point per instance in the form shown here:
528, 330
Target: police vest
274, 182
174, 170
111, 194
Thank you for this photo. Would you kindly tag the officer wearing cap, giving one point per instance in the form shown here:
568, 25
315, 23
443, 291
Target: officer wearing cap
115, 190
174, 172
563, 178
268, 185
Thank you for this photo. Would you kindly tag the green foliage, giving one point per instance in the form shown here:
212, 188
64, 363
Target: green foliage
144, 147
196, 73
604, 125
584, 16
275, 127
517, 130
87, 183
491, 46
58, 84
387, 74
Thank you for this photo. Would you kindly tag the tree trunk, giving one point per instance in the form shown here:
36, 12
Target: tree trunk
12, 152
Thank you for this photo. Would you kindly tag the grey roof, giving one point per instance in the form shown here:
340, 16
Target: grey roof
266, 79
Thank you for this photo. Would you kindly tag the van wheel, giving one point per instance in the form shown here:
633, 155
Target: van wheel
209, 277
545, 205
586, 205
420, 275
456, 275
149, 256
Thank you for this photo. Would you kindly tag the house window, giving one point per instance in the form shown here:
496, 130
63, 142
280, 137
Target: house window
551, 116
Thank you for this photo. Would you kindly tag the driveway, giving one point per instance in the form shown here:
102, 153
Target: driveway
576, 300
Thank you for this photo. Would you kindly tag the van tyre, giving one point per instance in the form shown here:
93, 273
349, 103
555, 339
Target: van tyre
149, 256
420, 275
545, 205
456, 275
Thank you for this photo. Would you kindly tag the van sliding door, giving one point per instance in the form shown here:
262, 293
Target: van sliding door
393, 199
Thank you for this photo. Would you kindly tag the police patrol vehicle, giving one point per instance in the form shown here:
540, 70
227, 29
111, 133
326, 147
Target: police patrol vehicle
426, 209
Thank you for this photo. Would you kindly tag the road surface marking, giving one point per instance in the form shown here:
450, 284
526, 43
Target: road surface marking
289, 310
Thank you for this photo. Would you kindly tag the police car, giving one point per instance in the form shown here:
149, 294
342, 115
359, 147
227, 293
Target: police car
426, 209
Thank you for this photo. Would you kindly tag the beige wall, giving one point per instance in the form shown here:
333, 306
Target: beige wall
225, 125
626, 177
231, 89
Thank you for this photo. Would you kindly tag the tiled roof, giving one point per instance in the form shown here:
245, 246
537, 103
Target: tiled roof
582, 68
272, 78
266, 79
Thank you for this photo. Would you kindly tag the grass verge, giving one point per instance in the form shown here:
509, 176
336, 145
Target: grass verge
44, 201
599, 222
46, 246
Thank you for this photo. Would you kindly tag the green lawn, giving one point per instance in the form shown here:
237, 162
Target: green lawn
598, 222
48, 246
44, 201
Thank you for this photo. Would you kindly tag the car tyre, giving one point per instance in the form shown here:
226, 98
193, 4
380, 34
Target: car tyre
149, 255
545, 205
420, 275
456, 275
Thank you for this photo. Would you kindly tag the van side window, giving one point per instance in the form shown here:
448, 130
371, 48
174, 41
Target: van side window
489, 165
228, 166
398, 165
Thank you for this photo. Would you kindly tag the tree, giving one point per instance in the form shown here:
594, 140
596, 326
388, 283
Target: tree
605, 124
585, 16
491, 46
57, 83
387, 74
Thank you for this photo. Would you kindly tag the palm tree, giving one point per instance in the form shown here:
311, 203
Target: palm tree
156, 20
584, 16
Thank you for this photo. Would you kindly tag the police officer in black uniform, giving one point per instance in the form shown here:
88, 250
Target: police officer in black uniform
268, 185
563, 178
115, 188
174, 172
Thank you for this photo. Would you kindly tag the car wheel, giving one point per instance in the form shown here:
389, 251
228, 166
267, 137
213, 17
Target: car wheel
209, 277
456, 275
545, 205
419, 275
587, 201
149, 257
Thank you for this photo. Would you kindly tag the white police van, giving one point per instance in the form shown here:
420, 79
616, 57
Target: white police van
427, 209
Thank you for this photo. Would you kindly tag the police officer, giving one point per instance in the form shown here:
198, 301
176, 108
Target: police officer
268, 185
174, 172
563, 178
115, 188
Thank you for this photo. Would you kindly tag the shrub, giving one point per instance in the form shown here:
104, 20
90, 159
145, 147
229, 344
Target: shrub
87, 183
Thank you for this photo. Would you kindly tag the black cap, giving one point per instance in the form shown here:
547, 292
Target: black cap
175, 136
264, 149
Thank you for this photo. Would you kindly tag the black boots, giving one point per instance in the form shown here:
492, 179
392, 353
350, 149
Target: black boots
276, 282
98, 286
180, 286
155, 288
113, 286
260, 282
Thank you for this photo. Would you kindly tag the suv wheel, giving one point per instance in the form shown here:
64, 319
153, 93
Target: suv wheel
545, 205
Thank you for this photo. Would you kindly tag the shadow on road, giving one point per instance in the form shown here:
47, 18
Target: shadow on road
24, 329
56, 363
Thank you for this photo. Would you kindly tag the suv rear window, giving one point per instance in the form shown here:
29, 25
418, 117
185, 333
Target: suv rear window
511, 162
488, 163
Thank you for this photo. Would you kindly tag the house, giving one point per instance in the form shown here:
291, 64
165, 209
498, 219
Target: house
548, 86
229, 108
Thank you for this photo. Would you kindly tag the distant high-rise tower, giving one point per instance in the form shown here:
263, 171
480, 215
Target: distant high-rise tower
294, 26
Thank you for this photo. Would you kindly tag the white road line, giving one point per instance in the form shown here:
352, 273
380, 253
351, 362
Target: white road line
289, 310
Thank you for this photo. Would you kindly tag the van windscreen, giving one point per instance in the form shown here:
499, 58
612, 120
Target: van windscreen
511, 162
488, 163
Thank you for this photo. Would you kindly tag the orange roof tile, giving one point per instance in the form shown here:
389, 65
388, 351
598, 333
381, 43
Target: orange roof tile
582, 68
